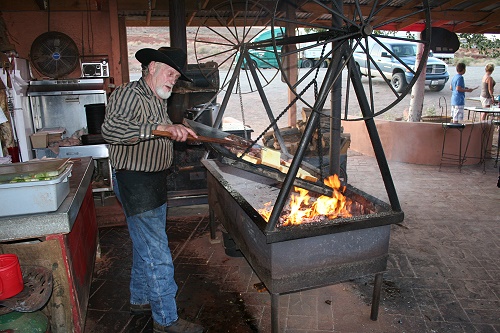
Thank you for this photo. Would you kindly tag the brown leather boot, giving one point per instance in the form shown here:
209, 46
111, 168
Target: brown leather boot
180, 325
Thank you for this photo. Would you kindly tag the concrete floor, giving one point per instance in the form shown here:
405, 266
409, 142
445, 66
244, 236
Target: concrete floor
443, 271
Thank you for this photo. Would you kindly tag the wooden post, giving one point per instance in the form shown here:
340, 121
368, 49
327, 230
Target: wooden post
177, 18
117, 45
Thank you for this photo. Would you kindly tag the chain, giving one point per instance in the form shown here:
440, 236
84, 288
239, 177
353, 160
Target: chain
238, 89
275, 121
319, 146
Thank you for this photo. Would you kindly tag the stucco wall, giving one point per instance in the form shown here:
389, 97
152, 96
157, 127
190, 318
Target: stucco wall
417, 143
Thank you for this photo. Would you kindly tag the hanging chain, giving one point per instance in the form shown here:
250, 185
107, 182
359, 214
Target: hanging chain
238, 90
319, 146
275, 121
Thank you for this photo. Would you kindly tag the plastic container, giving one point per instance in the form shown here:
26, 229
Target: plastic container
34, 197
11, 278
95, 117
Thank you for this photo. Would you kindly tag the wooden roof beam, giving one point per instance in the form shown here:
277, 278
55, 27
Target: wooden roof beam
151, 7
481, 5
450, 4
202, 5
457, 28
439, 23
42, 4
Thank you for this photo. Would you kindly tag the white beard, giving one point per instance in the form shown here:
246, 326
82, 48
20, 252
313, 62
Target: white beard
162, 93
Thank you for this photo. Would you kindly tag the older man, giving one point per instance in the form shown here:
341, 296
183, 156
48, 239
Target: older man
140, 161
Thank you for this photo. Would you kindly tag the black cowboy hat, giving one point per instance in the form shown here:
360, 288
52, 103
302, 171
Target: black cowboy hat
172, 56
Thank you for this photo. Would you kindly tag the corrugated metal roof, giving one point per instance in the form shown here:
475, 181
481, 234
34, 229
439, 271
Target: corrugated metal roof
470, 16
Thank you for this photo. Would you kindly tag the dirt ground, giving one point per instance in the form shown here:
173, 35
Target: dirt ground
436, 103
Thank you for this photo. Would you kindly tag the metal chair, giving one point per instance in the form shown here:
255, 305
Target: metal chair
450, 159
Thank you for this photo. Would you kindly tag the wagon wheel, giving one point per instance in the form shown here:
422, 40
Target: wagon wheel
362, 23
236, 23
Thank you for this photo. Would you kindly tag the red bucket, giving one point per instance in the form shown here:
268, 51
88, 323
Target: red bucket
11, 278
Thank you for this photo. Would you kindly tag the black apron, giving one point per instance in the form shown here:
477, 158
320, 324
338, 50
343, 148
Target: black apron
141, 191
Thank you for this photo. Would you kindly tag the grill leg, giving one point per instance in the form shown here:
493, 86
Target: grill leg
213, 236
275, 322
377, 287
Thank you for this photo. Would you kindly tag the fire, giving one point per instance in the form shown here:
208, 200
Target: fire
303, 208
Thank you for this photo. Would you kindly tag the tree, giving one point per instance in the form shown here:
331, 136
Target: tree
417, 92
485, 46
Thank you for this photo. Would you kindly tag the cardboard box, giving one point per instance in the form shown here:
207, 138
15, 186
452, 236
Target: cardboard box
54, 133
39, 140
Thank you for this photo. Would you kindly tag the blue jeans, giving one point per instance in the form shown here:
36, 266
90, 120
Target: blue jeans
152, 277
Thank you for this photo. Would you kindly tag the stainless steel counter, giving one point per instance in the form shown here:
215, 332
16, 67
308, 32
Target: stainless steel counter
59, 222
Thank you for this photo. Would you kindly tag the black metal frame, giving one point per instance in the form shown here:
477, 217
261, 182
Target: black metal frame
264, 237
355, 246
332, 73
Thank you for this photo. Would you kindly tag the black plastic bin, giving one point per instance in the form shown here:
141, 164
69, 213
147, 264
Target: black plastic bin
95, 117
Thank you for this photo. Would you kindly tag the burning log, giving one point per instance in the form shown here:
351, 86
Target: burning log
304, 207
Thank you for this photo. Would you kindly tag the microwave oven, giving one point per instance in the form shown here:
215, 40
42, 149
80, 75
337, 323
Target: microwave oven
95, 69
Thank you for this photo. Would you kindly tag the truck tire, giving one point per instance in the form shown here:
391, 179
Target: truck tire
323, 64
437, 88
307, 63
398, 82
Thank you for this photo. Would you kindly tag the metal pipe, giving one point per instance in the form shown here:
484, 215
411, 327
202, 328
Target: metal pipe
212, 223
266, 103
326, 86
377, 288
229, 89
372, 132
336, 110
275, 323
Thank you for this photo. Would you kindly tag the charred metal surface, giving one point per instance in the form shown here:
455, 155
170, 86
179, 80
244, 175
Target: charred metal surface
227, 157
251, 191
272, 174
299, 257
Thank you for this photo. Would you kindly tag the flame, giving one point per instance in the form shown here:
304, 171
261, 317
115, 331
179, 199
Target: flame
303, 208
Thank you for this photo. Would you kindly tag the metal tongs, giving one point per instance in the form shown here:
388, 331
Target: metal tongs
226, 141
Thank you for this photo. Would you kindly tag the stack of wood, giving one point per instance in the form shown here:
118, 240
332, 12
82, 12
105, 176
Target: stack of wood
293, 134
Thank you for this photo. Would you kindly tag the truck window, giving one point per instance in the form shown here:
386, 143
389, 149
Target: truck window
377, 50
404, 50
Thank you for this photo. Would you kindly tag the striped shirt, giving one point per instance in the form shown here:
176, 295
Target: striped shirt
132, 113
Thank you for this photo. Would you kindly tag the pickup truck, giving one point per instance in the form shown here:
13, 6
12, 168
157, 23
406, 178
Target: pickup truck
436, 73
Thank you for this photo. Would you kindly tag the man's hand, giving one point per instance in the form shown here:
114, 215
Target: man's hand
179, 132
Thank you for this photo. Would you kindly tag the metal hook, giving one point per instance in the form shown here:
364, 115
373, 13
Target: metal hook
441, 106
